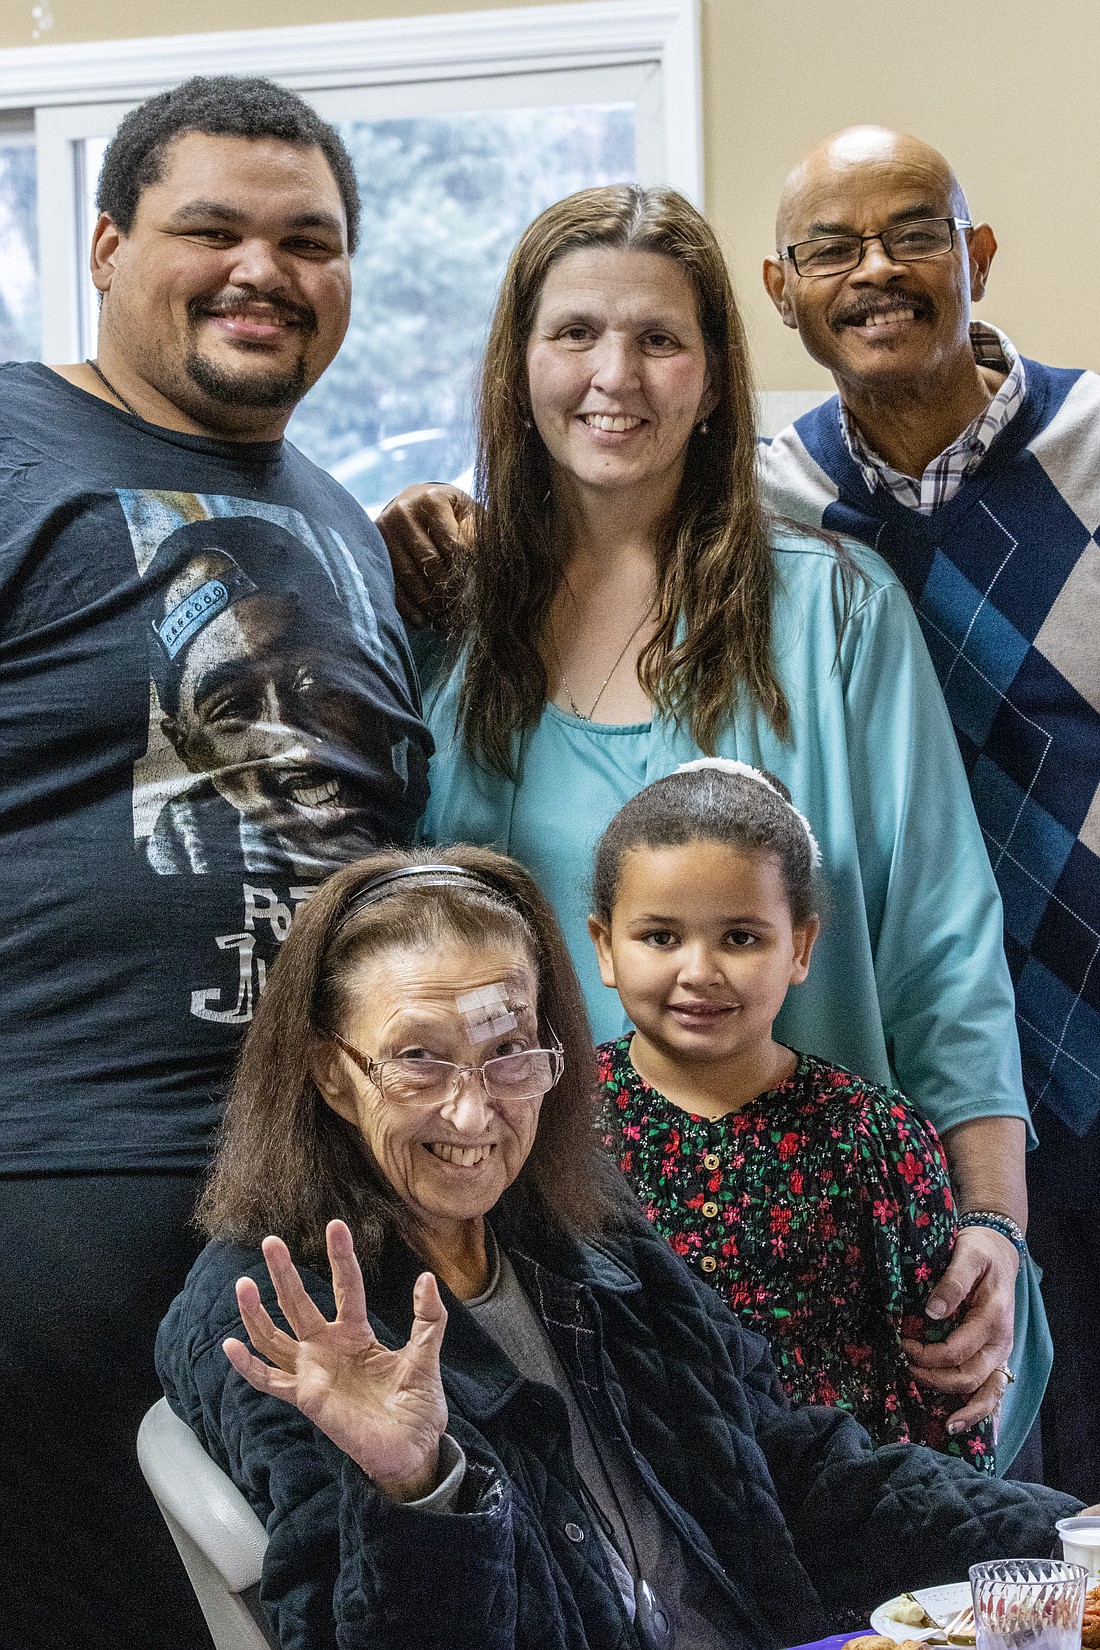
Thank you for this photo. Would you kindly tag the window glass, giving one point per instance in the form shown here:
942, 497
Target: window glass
445, 198
90, 155
19, 325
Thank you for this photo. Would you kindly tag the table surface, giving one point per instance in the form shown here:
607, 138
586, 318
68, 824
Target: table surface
835, 1643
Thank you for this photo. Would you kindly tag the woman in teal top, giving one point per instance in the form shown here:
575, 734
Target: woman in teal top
624, 605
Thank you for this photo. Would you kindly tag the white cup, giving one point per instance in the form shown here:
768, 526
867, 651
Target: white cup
1081, 1543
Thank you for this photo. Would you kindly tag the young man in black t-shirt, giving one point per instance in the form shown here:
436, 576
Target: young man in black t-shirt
206, 704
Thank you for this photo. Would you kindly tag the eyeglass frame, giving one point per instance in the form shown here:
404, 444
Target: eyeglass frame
370, 1067
788, 254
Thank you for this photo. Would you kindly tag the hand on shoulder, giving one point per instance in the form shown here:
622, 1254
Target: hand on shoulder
425, 528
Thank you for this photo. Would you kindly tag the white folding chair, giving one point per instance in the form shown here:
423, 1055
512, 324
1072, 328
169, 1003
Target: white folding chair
220, 1539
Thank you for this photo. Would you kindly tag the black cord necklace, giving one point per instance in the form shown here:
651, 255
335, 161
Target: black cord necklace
652, 1622
102, 376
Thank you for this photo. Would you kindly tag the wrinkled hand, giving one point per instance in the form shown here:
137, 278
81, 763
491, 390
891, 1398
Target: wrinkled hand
384, 1409
982, 1274
426, 528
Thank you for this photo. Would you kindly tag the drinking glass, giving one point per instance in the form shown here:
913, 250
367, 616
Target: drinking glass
1032, 1602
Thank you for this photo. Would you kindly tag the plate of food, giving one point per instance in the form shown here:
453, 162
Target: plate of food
936, 1616
928, 1615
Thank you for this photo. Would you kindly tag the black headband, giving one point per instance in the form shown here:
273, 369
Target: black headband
431, 876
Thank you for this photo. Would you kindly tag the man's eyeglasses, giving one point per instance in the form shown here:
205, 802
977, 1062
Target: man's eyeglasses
903, 243
526, 1075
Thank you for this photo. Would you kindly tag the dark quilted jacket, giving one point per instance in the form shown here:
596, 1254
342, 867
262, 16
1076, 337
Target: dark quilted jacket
790, 1514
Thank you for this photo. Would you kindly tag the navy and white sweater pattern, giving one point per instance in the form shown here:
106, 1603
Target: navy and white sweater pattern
1005, 579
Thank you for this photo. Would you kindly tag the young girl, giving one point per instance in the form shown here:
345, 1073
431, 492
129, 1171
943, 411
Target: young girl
818, 1204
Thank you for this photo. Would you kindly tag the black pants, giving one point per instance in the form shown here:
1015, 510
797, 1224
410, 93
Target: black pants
88, 1266
1066, 1244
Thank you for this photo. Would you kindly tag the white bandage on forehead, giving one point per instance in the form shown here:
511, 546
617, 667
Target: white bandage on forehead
486, 1013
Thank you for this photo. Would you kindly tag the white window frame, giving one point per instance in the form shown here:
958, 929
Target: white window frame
475, 60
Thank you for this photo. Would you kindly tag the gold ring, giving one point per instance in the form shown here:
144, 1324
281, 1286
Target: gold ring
1003, 1369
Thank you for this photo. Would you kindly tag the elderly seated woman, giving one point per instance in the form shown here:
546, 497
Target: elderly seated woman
531, 1427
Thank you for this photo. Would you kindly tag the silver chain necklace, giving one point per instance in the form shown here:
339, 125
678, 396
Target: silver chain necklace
586, 716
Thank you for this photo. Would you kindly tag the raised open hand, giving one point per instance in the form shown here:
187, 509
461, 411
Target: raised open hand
384, 1409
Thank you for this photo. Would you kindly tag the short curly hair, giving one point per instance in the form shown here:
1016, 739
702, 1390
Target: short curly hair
222, 105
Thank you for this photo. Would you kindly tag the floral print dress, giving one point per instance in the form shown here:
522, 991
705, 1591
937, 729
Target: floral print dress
823, 1213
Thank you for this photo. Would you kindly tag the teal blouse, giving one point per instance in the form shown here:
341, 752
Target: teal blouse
555, 839
909, 984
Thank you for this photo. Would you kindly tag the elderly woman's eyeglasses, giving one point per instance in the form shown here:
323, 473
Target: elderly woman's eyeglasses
526, 1075
903, 243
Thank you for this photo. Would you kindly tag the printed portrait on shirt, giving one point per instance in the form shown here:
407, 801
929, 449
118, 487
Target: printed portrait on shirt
264, 732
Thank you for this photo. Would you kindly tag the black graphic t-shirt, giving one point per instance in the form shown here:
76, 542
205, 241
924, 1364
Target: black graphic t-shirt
207, 703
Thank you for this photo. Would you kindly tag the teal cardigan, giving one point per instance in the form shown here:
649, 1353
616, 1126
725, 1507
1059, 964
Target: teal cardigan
909, 984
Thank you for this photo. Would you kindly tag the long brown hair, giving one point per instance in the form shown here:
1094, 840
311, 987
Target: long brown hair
286, 1162
715, 570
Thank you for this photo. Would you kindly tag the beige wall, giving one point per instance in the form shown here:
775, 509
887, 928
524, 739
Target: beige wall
1008, 91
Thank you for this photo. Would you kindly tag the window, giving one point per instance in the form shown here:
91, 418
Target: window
19, 325
462, 127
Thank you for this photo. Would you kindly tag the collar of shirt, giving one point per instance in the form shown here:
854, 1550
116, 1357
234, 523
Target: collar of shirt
948, 470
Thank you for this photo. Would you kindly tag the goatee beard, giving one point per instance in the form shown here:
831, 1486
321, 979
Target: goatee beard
268, 390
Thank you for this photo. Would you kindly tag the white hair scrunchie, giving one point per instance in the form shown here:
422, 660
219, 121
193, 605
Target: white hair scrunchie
730, 764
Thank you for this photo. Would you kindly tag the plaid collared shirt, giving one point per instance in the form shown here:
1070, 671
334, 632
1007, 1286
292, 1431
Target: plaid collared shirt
947, 472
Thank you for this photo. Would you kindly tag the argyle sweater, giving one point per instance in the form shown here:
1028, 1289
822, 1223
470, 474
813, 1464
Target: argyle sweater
1005, 579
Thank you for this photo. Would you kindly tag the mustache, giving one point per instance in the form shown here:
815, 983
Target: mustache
235, 300
854, 314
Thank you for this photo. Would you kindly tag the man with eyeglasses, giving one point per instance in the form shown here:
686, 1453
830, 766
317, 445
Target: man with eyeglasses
973, 472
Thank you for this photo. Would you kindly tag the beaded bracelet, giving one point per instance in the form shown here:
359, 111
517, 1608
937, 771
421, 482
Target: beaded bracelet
996, 1222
